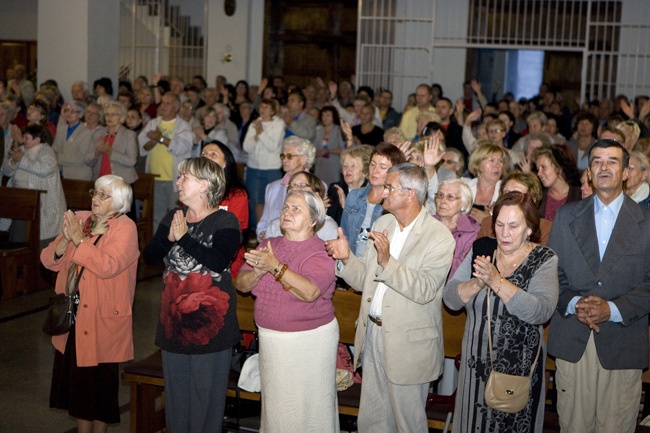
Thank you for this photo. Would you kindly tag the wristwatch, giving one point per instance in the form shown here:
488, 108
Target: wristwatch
162, 140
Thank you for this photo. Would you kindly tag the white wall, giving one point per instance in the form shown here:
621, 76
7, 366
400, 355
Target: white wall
243, 33
18, 20
633, 74
79, 42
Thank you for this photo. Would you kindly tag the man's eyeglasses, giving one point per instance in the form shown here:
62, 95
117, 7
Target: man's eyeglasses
449, 197
289, 156
449, 161
391, 188
102, 196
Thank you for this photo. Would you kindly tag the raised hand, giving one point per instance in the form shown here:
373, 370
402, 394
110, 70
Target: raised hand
339, 249
382, 245
432, 151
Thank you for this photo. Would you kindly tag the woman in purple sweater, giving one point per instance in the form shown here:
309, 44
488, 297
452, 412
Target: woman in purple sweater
293, 280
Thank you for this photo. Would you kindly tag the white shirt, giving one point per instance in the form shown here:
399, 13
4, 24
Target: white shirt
396, 245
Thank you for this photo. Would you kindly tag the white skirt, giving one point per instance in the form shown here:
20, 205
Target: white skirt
298, 375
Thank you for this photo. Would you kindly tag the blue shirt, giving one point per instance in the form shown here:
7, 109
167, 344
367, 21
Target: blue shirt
605, 218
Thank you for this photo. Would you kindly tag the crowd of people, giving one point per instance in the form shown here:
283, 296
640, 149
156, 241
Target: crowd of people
520, 211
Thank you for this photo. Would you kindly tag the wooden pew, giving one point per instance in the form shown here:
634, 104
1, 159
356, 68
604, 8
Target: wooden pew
143, 189
19, 262
76, 193
147, 386
145, 377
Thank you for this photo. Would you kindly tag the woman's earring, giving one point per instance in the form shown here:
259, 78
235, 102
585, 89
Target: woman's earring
201, 196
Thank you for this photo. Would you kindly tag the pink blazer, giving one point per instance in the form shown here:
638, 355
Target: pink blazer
104, 322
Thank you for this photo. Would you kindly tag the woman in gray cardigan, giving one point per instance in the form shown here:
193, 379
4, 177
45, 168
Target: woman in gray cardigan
115, 148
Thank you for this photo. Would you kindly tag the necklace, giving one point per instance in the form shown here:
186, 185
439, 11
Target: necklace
501, 263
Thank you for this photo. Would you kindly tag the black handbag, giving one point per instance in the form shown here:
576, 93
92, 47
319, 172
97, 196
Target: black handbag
61, 313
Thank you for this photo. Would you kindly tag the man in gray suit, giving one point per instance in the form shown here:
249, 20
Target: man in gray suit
399, 332
599, 332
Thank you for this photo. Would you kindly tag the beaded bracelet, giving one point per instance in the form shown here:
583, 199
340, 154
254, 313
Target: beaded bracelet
280, 274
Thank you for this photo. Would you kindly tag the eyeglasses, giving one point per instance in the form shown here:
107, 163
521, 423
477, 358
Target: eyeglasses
111, 114
102, 196
289, 156
391, 188
449, 161
449, 197
301, 185
494, 131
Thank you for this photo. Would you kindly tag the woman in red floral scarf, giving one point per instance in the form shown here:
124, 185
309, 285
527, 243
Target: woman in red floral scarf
99, 249
198, 321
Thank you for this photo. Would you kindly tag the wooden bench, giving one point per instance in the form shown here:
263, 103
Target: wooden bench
19, 261
143, 190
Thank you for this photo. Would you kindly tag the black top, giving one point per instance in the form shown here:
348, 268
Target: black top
372, 138
198, 302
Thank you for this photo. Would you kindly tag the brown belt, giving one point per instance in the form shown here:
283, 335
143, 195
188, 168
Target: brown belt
375, 320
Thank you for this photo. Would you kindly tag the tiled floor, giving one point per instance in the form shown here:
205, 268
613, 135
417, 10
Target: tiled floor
26, 356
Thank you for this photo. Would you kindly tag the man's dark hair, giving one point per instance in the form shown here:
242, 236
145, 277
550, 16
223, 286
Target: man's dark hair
604, 144
301, 96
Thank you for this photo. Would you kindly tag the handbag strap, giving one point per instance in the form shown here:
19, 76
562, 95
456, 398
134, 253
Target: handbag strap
81, 271
489, 314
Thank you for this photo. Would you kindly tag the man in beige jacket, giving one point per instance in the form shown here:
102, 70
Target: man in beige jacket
399, 333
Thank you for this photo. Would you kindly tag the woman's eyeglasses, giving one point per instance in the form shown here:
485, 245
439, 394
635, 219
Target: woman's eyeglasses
102, 196
300, 185
449, 197
289, 156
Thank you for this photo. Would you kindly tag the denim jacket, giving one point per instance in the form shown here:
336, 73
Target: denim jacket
354, 213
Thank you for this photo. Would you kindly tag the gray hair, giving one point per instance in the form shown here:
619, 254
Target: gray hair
539, 115
466, 200
118, 105
224, 107
210, 171
546, 139
119, 190
643, 160
413, 177
314, 203
305, 147
10, 109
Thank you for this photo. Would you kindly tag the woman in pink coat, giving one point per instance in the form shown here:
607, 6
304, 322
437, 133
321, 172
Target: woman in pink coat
104, 243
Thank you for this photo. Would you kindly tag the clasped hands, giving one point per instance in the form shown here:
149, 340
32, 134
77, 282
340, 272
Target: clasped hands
178, 228
72, 228
592, 310
485, 272
339, 249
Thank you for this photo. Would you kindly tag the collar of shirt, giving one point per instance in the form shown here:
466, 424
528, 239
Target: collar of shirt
614, 206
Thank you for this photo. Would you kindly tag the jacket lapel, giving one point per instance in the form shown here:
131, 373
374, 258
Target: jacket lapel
583, 226
626, 229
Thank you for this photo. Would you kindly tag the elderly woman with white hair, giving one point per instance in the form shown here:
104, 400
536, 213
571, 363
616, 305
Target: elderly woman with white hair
637, 181
293, 280
453, 203
297, 155
100, 247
